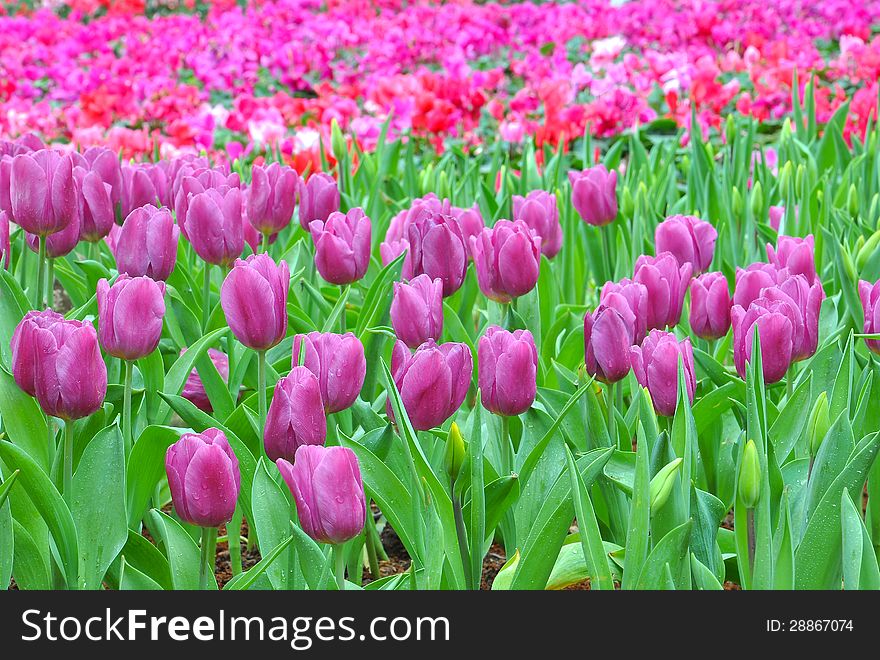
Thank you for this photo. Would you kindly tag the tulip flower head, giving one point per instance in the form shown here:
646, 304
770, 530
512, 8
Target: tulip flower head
417, 310
318, 198
655, 365
42, 192
144, 184
214, 225
710, 306
435, 247
667, 283
204, 478
751, 281
806, 301
609, 332
59, 244
690, 239
342, 246
795, 254
775, 321
594, 195
636, 296
147, 243
130, 315
326, 485
97, 212
538, 210
254, 299
24, 354
296, 415
508, 365
508, 260
271, 198
339, 364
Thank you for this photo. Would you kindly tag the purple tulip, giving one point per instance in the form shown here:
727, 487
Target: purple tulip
144, 184
342, 246
42, 192
5, 176
710, 306
508, 260
795, 254
655, 365
191, 182
69, 375
24, 354
105, 164
775, 214
751, 281
470, 221
666, 282
609, 332
775, 321
508, 367
130, 315
870, 297
436, 247
328, 491
59, 244
96, 205
432, 382
339, 363
636, 296
594, 195
538, 210
271, 198
194, 389
318, 198
417, 310
5, 245
254, 299
203, 477
806, 300
147, 243
214, 225
296, 415
398, 228
690, 239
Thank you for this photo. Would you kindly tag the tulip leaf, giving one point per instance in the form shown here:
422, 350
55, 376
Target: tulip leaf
331, 323
860, 569
638, 529
570, 567
669, 552
591, 537
788, 427
312, 561
181, 550
704, 579
132, 579
145, 469
377, 298
142, 555
13, 306
28, 565
24, 422
48, 502
246, 580
477, 518
271, 522
7, 532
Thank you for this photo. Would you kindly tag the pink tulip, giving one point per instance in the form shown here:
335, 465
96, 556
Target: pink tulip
147, 243
870, 297
24, 353
538, 210
690, 239
214, 225
130, 316
667, 283
96, 205
254, 299
42, 192
710, 306
751, 281
296, 415
775, 322
508, 366
636, 296
338, 362
417, 310
507, 258
655, 365
609, 332
59, 244
594, 194
795, 254
271, 198
318, 198
342, 246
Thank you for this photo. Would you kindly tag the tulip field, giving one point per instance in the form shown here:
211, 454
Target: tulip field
416, 295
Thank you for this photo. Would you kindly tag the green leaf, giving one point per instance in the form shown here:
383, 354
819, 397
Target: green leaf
271, 521
669, 552
24, 422
145, 469
860, 570
132, 579
638, 529
176, 377
246, 580
312, 561
13, 306
182, 552
591, 538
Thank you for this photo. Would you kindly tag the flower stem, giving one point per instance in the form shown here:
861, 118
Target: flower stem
68, 461
370, 539
265, 245
209, 536
41, 269
343, 291
261, 384
206, 293
339, 565
612, 419
50, 284
230, 356
126, 407
233, 538
606, 248
506, 453
461, 535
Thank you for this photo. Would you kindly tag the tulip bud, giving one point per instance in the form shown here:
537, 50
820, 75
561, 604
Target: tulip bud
455, 452
296, 415
342, 246
870, 297
689, 239
508, 364
130, 315
337, 142
795, 254
507, 258
736, 202
775, 214
852, 201
214, 225
729, 129
655, 365
749, 484
339, 363
710, 306
328, 491
594, 194
867, 250
318, 198
436, 247
819, 423
42, 192
627, 203
95, 205
775, 322
271, 198
538, 210
662, 483
432, 382
417, 310
608, 335
24, 353
204, 478
757, 200
147, 243
254, 299
667, 283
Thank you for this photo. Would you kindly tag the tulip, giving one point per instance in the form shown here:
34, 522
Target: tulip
254, 299
398, 228
870, 296
42, 192
710, 306
417, 310
296, 415
666, 282
508, 365
271, 198
105, 164
636, 296
608, 335
775, 214
775, 321
749, 481
453, 457
795, 254
318, 198
508, 260
432, 382
5, 245
143, 185
147, 243
342, 246
96, 205
191, 182
470, 221
538, 210
338, 362
5, 175
436, 247
214, 225
326, 485
690, 239
818, 423
24, 353
806, 300
130, 315
660, 487
655, 365
59, 244
594, 195
194, 389
751, 281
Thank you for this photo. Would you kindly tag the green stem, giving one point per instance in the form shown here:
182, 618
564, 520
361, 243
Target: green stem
265, 246
343, 321
750, 528
230, 355
206, 563
233, 538
261, 384
506, 453
606, 248
50, 284
461, 535
126, 407
41, 271
206, 293
339, 565
612, 419
370, 540
789, 385
68, 460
